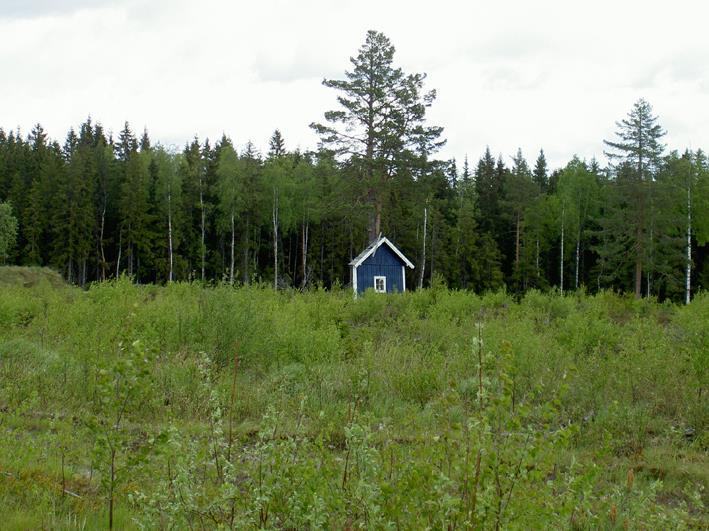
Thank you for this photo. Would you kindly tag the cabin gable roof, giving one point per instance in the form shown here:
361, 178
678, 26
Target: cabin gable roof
372, 248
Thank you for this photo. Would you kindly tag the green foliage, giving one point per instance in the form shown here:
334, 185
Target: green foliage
8, 230
380, 125
123, 389
97, 207
247, 407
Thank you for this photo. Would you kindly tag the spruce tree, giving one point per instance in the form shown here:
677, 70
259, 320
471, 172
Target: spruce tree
540, 173
635, 157
488, 189
8, 230
519, 191
276, 145
197, 205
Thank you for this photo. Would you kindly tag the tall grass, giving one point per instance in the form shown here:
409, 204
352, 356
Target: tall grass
345, 413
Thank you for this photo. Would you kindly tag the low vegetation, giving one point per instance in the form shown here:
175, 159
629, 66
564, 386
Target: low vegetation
185, 407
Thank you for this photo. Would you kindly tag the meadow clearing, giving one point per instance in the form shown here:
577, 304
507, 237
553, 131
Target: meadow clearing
191, 407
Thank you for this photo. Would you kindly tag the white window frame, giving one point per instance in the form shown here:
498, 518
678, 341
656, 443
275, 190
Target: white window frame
384, 280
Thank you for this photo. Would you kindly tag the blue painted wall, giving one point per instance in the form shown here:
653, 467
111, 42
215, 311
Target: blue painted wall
383, 263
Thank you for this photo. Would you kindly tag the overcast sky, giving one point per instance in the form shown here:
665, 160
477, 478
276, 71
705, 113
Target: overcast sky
532, 74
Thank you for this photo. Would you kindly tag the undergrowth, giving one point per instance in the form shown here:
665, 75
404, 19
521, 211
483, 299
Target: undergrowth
201, 408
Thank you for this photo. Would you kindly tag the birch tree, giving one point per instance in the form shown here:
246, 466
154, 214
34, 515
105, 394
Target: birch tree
682, 218
230, 196
278, 178
197, 202
577, 189
306, 210
169, 199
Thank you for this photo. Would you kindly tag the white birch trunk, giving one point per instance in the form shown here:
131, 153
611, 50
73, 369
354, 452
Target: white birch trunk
517, 231
201, 207
100, 240
169, 233
231, 266
423, 260
537, 259
118, 260
578, 246
275, 238
688, 280
561, 259
649, 267
306, 228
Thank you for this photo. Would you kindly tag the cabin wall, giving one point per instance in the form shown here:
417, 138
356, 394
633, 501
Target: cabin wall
382, 263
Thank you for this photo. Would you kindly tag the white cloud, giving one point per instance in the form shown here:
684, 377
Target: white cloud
44, 8
551, 74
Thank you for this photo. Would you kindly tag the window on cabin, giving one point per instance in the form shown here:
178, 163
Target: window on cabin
380, 284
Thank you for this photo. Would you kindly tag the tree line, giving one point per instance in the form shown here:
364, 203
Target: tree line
97, 207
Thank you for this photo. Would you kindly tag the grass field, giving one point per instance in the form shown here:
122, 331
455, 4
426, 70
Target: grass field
204, 408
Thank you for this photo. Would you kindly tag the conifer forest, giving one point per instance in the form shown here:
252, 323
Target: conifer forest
180, 347
96, 205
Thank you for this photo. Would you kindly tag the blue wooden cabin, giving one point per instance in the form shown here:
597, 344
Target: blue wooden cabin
381, 266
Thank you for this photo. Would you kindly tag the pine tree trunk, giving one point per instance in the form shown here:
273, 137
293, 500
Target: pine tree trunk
375, 228
231, 265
